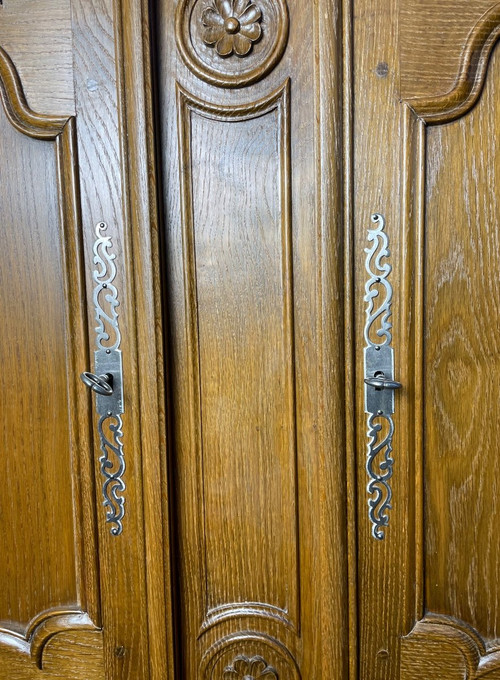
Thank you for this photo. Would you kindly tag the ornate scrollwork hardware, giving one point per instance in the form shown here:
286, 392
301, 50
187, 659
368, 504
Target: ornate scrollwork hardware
107, 382
379, 378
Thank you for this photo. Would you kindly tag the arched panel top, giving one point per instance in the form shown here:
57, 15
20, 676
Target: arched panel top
16, 107
472, 74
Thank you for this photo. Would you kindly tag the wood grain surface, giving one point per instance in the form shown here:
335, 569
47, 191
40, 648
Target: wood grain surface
246, 531
37, 36
433, 36
252, 297
462, 364
48, 566
453, 246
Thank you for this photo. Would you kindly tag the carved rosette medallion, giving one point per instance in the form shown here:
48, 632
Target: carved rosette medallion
231, 43
244, 668
248, 655
231, 27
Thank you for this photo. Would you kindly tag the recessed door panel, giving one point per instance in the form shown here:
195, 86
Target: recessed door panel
47, 562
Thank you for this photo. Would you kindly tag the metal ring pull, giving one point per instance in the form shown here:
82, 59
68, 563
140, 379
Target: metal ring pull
102, 384
380, 382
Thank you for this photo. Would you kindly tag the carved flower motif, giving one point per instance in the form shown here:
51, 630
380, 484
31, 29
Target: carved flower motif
243, 668
232, 26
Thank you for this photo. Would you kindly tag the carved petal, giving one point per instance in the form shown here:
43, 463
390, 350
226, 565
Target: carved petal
242, 45
240, 6
212, 18
224, 46
250, 15
253, 31
257, 666
212, 34
225, 8
240, 665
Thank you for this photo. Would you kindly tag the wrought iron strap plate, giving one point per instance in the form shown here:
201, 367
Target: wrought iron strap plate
108, 361
379, 370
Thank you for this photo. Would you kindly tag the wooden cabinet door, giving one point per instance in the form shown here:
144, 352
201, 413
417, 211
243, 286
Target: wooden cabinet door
74, 583
250, 153
48, 557
328, 189
426, 119
330, 200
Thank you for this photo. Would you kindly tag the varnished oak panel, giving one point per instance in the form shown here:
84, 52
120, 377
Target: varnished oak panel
37, 36
48, 565
433, 37
382, 567
242, 435
68, 656
117, 185
426, 600
253, 304
452, 243
462, 365
37, 565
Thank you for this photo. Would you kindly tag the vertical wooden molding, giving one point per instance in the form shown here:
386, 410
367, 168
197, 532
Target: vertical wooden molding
349, 330
412, 245
116, 150
73, 253
137, 25
332, 48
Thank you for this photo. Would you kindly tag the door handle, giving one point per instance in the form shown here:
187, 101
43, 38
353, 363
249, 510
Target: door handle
107, 381
102, 384
380, 382
379, 377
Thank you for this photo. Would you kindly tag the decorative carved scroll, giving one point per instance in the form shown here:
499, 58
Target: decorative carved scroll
472, 75
42, 629
437, 642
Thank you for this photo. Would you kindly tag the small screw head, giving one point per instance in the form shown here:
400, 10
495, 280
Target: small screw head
110, 413
108, 351
104, 285
377, 348
380, 413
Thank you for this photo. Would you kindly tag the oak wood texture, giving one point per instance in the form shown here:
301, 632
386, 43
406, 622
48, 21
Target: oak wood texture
440, 555
433, 36
37, 36
66, 656
253, 302
106, 171
246, 532
384, 577
448, 242
48, 566
461, 359
117, 170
